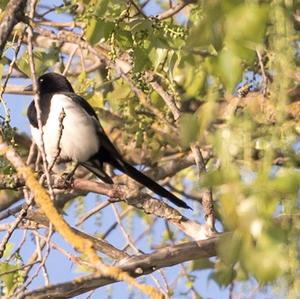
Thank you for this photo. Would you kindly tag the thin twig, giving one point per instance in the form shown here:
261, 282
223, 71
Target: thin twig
38, 161
143, 5
263, 73
36, 99
31, 154
123, 230
10, 212
114, 225
189, 195
174, 9
70, 60
50, 10
18, 220
92, 212
38, 248
61, 117
207, 198
196, 295
19, 247
10, 69
33, 259
19, 269
88, 296
74, 259
200, 162
71, 24
82, 60
41, 265
142, 235
139, 10
169, 100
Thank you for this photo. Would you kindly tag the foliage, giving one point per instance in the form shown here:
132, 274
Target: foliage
201, 59
14, 277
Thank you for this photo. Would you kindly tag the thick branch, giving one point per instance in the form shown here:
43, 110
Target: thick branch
14, 13
137, 199
17, 89
135, 265
145, 203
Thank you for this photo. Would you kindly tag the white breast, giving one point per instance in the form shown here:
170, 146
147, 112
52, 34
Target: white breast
79, 140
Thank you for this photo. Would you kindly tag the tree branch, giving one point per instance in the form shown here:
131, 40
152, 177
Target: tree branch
14, 13
136, 265
175, 9
85, 246
98, 243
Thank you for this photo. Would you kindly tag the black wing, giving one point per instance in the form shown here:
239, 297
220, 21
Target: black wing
108, 153
45, 109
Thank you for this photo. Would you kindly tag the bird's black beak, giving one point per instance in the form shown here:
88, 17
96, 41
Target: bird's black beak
28, 88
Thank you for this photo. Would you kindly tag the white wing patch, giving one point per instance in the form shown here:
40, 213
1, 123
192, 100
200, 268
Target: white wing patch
79, 140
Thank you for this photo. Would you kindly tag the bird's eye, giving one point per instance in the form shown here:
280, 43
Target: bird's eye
41, 80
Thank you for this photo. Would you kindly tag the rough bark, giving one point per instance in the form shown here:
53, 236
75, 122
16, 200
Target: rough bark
14, 13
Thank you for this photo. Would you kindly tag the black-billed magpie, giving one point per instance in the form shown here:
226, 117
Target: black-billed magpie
83, 139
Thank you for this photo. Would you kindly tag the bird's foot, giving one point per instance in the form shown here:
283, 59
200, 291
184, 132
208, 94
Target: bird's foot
68, 179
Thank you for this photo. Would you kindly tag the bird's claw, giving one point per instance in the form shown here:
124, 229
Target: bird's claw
68, 179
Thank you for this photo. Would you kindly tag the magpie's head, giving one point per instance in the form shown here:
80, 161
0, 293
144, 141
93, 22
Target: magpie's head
54, 83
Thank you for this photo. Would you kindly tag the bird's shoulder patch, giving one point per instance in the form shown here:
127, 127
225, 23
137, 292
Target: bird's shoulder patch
45, 103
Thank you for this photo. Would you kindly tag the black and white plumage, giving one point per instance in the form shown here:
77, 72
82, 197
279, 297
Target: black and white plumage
83, 139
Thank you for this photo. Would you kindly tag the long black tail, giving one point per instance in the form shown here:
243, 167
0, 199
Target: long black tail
147, 182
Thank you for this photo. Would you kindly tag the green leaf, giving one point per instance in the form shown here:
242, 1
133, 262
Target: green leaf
98, 29
7, 279
229, 248
229, 68
157, 101
266, 263
124, 39
43, 60
157, 56
96, 100
224, 276
12, 280
141, 60
189, 128
8, 248
172, 62
208, 27
140, 25
197, 80
3, 4
116, 97
287, 182
245, 26
201, 264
